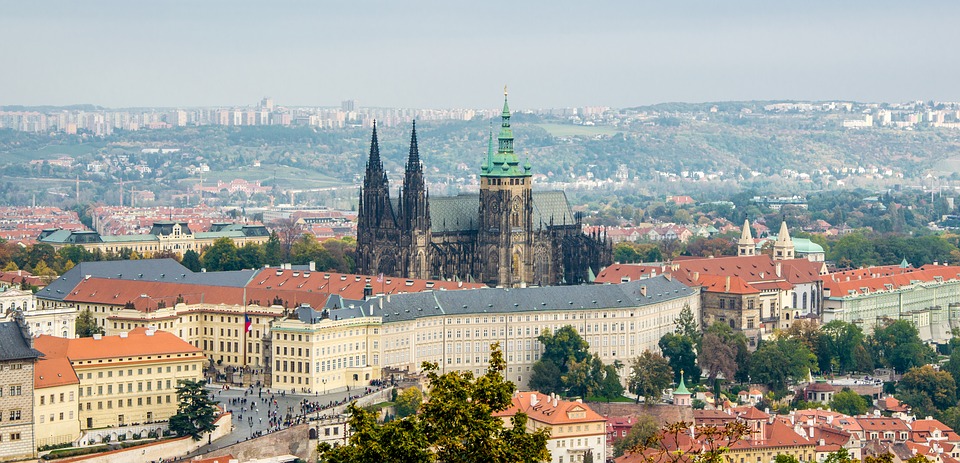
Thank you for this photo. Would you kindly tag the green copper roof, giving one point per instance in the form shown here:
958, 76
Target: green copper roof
681, 388
504, 163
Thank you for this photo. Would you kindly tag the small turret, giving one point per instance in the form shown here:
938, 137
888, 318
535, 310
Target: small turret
746, 245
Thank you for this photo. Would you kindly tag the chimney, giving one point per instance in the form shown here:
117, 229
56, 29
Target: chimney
779, 269
727, 287
643, 290
822, 443
123, 335
696, 276
533, 399
97, 336
313, 266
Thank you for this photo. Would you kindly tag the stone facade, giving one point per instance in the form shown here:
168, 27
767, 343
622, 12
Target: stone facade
508, 235
17, 361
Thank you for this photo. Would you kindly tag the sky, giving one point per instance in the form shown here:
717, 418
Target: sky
460, 54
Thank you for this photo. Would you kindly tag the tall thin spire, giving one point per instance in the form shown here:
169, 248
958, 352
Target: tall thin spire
488, 164
413, 162
374, 148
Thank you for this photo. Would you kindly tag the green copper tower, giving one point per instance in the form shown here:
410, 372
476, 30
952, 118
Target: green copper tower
504, 163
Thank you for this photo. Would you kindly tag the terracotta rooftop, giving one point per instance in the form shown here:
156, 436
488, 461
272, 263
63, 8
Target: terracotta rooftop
542, 408
348, 286
52, 372
137, 343
860, 282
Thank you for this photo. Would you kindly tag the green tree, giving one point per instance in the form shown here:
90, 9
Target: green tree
849, 403
939, 386
191, 260
783, 458
458, 424
222, 256
196, 412
723, 351
273, 250
562, 351
779, 361
686, 324
408, 402
897, 344
396, 440
250, 255
87, 325
643, 430
650, 374
840, 342
953, 365
610, 385
679, 350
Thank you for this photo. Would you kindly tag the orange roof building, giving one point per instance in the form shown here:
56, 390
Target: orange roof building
55, 401
123, 380
574, 428
876, 294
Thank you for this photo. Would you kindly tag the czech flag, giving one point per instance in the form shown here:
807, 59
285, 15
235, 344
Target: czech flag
247, 324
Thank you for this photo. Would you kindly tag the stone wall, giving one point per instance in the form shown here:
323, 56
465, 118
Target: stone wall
159, 450
663, 413
294, 441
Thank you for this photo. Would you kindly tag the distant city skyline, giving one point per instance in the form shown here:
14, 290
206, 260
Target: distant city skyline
459, 55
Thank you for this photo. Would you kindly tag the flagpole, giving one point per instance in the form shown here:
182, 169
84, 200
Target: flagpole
243, 344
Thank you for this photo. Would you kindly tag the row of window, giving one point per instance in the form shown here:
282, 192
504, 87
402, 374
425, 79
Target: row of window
15, 389
139, 371
52, 416
43, 398
160, 400
14, 415
14, 436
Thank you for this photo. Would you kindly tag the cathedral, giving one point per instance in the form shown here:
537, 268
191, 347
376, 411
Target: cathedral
507, 235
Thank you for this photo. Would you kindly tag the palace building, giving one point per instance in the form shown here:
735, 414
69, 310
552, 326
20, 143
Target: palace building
507, 235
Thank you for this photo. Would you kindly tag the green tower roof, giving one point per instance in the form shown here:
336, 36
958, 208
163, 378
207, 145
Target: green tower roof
681, 388
504, 163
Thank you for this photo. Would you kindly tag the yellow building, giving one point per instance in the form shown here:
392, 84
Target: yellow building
313, 352
129, 379
55, 398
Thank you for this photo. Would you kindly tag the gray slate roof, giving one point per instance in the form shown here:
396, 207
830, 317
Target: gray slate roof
460, 213
13, 346
144, 269
403, 307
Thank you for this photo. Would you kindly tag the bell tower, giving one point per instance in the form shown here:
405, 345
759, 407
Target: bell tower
746, 246
506, 212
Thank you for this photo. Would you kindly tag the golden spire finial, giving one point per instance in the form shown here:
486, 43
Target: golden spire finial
504, 91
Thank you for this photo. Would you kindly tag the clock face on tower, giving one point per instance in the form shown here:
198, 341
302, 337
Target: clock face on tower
494, 206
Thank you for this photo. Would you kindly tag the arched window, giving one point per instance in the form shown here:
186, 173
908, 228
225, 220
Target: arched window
794, 299
804, 300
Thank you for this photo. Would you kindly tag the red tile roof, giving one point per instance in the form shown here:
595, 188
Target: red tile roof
542, 409
617, 272
882, 424
749, 412
348, 286
845, 283
137, 343
52, 372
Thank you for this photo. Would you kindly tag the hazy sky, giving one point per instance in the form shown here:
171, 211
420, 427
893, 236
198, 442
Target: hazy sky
446, 54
